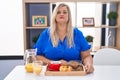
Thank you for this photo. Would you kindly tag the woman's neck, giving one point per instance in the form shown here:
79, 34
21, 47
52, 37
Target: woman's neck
61, 29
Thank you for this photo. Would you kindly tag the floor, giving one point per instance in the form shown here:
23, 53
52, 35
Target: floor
7, 65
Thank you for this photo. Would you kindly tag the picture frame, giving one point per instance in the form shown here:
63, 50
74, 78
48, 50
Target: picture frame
88, 22
39, 21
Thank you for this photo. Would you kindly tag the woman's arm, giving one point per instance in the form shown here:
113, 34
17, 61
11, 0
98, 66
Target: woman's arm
87, 61
45, 60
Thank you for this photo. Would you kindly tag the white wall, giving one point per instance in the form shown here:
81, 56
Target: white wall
11, 27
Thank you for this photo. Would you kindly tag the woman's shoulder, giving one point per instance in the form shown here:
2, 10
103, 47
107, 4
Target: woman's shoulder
45, 31
77, 31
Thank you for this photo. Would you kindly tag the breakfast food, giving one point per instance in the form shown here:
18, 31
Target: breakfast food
76, 65
69, 66
65, 68
54, 66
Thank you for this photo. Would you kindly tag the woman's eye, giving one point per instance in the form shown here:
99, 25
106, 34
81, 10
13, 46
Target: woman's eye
58, 12
64, 12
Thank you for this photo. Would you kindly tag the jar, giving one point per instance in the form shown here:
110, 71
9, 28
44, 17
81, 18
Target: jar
29, 56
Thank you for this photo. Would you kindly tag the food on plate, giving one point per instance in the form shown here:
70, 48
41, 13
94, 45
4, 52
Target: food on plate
74, 64
65, 68
69, 66
29, 67
77, 66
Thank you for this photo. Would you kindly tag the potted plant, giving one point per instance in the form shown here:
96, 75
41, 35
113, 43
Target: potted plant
112, 16
89, 38
35, 38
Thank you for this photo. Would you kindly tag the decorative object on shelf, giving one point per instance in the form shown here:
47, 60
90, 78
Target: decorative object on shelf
89, 38
112, 16
35, 38
88, 22
39, 21
110, 41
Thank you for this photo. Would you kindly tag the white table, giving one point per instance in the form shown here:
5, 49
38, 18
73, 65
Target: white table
102, 72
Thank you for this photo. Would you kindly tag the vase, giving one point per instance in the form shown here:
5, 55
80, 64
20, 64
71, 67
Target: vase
91, 44
112, 22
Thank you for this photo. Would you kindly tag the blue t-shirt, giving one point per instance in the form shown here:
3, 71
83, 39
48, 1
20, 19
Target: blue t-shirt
62, 51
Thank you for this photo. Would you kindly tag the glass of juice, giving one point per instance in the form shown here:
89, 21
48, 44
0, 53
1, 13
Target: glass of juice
37, 67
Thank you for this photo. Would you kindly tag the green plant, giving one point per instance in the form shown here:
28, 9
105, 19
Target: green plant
112, 15
35, 38
89, 38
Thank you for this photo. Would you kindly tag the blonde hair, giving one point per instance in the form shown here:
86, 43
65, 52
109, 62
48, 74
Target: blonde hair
53, 32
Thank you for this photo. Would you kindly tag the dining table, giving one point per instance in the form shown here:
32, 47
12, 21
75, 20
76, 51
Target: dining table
101, 72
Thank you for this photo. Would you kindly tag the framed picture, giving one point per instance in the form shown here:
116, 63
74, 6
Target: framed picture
88, 22
39, 21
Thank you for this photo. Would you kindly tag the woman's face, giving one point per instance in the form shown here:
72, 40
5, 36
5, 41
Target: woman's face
62, 15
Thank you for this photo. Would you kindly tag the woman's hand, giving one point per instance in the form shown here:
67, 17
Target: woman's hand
89, 68
63, 62
87, 61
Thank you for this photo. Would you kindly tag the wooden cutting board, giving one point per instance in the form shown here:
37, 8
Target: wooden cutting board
68, 73
71, 73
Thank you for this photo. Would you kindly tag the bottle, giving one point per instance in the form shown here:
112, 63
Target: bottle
29, 57
110, 39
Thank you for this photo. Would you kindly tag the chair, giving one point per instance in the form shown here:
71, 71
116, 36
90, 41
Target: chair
107, 56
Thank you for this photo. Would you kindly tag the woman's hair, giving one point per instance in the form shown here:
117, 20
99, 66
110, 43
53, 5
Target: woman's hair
53, 29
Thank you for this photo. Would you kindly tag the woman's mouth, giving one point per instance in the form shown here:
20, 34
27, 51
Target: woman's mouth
61, 17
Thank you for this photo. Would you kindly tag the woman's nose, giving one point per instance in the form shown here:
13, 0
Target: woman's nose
61, 13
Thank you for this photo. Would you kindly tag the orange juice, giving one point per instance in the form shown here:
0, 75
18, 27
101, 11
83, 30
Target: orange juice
37, 69
29, 67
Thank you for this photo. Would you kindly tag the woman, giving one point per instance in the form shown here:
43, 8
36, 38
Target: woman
62, 42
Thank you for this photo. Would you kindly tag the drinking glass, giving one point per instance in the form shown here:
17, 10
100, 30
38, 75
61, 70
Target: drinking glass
37, 67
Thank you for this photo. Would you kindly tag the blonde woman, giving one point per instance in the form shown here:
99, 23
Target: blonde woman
62, 42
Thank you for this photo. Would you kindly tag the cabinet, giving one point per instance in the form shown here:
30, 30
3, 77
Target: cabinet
44, 7
34, 8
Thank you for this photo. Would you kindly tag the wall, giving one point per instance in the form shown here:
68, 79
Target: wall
11, 27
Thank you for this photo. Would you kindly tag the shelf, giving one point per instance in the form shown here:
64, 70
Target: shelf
36, 1
44, 7
109, 47
32, 8
103, 1
96, 48
99, 27
36, 27
109, 26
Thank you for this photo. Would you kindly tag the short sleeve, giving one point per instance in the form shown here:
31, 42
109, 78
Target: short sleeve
40, 42
81, 41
